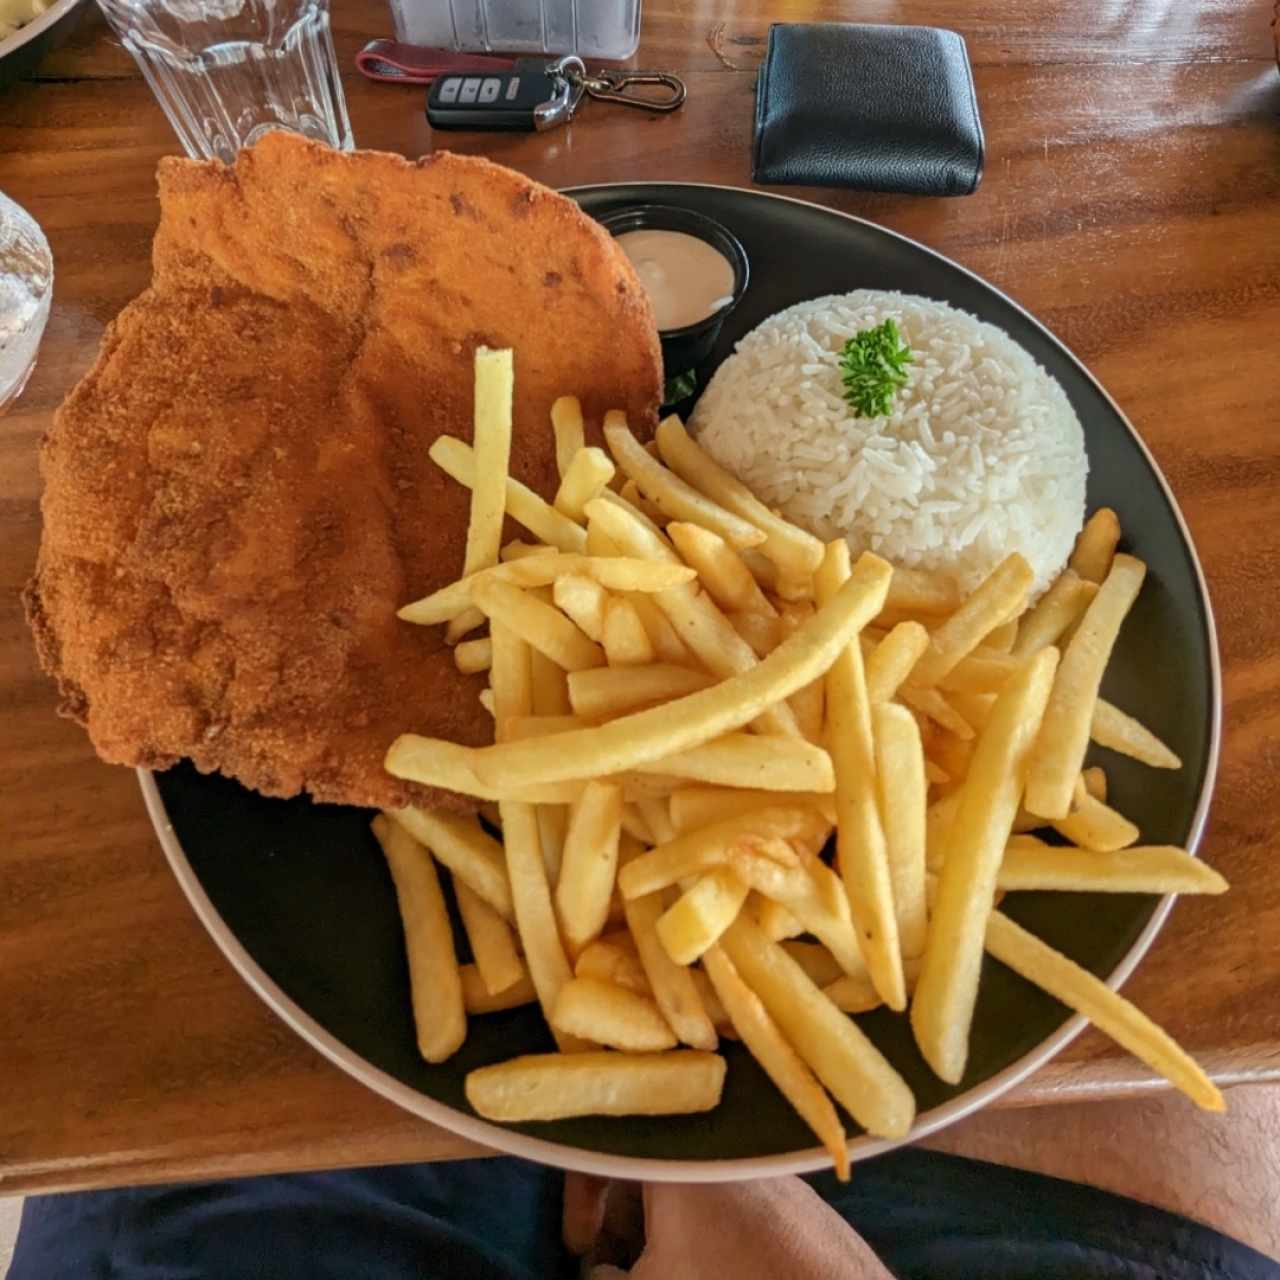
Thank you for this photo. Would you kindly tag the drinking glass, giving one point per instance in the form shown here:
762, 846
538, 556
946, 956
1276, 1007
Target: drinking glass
228, 71
26, 290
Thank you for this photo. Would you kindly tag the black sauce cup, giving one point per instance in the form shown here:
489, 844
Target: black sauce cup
686, 348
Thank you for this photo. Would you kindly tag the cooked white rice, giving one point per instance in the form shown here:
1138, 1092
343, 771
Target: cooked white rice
980, 456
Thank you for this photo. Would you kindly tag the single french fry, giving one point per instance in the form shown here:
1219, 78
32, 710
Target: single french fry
608, 1014
1109, 1011
556, 1086
701, 914
494, 384
720, 569
695, 807
473, 656
993, 603
590, 863
583, 600
630, 493
566, 423
676, 499
902, 792
1113, 729
518, 549
837, 1052
493, 945
672, 984
479, 999
1095, 782
668, 646
517, 728
709, 847
796, 553
449, 766
853, 994
942, 1010
701, 626
762, 632
510, 676
1059, 754
602, 693
471, 854
1096, 547
524, 506
1094, 825
766, 761
1054, 614
613, 962
462, 624
981, 672
864, 860
919, 592
438, 1011
625, 641
588, 473
821, 966
762, 1036
890, 662
535, 916
1142, 869
538, 624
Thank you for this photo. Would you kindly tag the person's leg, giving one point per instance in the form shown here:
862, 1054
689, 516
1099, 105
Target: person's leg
465, 1220
1221, 1170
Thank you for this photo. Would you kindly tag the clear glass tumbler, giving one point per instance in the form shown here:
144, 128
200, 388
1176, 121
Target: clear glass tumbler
26, 290
228, 71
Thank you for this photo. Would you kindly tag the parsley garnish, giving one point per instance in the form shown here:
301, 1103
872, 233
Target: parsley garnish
874, 364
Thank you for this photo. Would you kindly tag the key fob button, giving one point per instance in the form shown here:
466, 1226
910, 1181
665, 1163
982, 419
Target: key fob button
489, 90
449, 89
470, 88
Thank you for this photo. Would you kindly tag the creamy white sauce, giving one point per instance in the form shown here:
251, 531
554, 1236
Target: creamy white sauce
686, 278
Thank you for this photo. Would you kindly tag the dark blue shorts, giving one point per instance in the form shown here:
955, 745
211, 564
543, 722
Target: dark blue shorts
927, 1215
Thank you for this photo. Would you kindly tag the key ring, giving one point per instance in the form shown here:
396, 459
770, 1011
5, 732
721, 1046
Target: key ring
611, 86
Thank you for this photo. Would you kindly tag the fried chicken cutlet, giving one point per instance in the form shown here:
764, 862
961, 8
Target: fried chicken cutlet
238, 494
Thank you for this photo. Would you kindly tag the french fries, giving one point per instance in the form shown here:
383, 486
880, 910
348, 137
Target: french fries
942, 1009
589, 863
902, 794
566, 423
1059, 754
994, 602
1096, 547
676, 499
609, 1014
701, 914
1151, 869
1109, 1011
864, 861
588, 473
438, 1011
688, 694
782, 1064
604, 693
796, 553
493, 947
837, 1052
558, 1086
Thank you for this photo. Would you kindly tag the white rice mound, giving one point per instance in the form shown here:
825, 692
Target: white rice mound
981, 454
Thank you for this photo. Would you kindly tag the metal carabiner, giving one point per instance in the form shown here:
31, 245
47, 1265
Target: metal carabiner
611, 86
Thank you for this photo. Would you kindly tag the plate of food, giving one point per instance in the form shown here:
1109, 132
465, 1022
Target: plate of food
689, 799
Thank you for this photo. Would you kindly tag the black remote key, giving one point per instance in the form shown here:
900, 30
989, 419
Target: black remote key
520, 100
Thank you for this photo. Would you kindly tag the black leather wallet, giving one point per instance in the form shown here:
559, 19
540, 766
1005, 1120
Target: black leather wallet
875, 108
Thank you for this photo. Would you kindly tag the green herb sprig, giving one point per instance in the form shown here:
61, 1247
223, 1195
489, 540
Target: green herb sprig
874, 365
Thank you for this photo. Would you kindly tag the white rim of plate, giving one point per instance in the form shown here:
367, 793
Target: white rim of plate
41, 22
648, 1169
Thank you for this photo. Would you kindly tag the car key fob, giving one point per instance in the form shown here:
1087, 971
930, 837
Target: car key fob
533, 95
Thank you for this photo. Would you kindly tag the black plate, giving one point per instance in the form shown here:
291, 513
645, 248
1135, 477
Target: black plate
299, 897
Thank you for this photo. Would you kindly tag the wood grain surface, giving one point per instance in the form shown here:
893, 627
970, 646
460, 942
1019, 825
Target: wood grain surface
1131, 200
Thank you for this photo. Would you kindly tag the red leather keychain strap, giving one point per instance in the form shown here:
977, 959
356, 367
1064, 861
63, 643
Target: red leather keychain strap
395, 63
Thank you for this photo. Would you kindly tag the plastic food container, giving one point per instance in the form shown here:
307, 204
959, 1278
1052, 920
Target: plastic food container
589, 28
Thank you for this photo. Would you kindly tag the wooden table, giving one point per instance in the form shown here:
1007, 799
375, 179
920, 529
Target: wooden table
1131, 200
